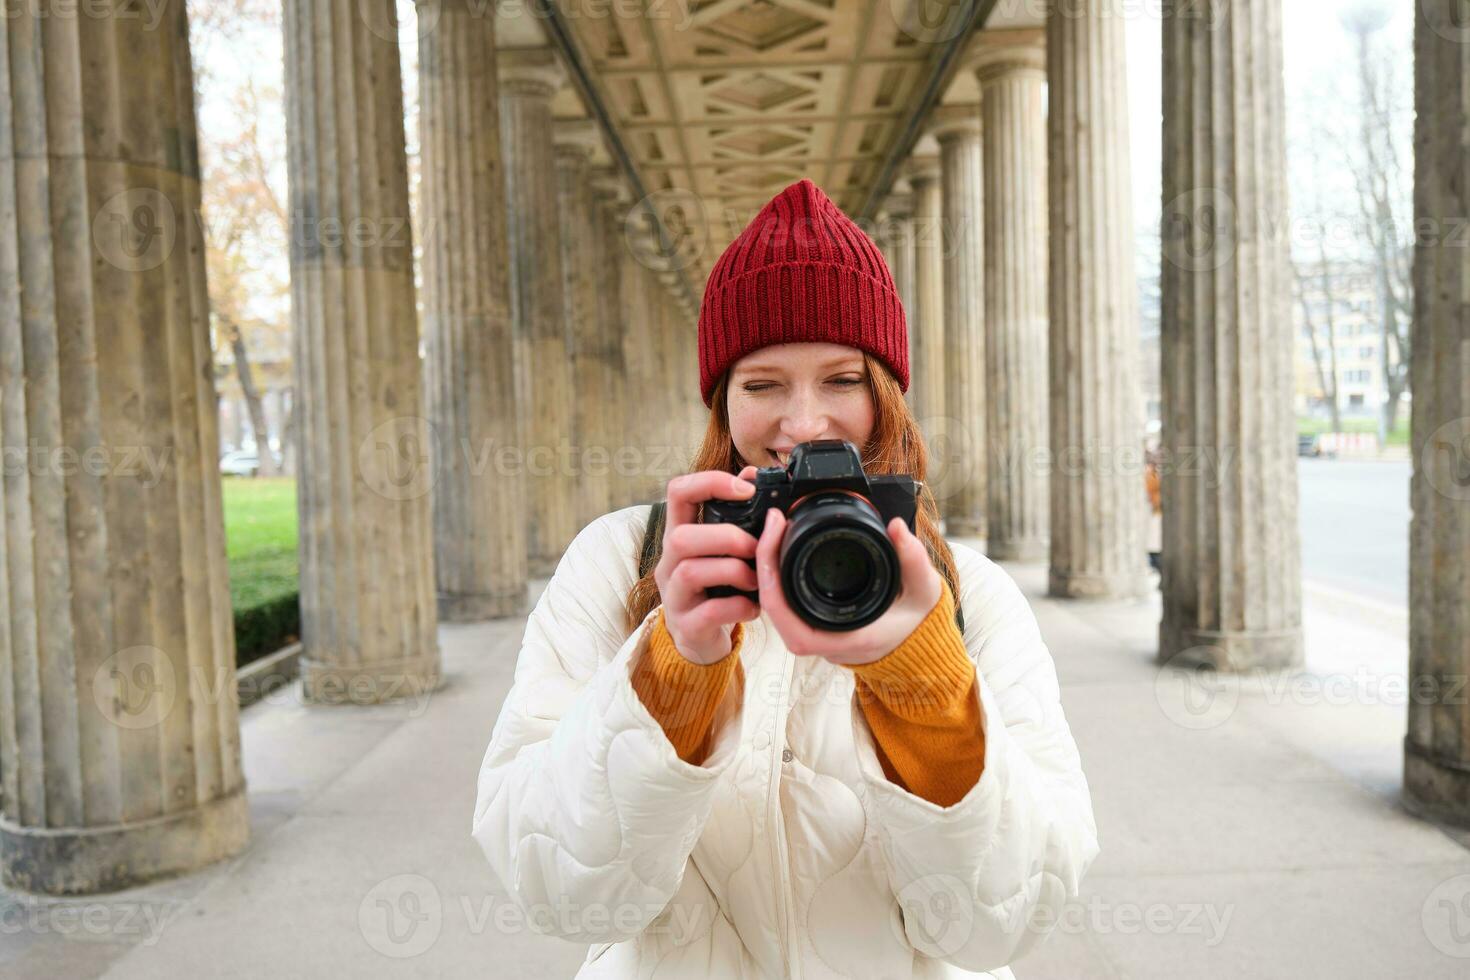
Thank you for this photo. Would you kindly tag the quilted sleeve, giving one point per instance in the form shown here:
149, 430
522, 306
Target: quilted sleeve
584, 810
981, 881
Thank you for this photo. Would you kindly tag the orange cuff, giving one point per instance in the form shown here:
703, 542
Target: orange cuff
921, 702
685, 697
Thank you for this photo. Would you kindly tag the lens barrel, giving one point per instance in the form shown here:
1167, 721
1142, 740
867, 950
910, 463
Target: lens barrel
839, 570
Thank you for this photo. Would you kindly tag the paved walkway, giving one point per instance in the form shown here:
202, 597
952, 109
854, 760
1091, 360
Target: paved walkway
1247, 830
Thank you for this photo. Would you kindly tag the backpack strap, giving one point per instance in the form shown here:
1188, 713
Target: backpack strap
653, 535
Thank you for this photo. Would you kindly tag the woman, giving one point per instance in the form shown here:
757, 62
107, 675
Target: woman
708, 787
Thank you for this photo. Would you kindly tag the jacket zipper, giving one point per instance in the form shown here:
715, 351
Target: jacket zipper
778, 835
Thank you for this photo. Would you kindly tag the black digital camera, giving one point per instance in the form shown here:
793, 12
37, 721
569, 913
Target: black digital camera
839, 570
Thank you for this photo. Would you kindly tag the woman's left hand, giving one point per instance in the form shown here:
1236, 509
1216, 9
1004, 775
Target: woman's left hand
920, 589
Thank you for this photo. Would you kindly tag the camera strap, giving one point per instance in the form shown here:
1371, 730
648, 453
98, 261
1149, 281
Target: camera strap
653, 537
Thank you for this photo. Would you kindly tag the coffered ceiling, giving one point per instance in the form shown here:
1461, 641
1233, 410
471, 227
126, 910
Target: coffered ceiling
722, 103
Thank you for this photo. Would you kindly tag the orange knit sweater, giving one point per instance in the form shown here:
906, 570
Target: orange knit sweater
920, 702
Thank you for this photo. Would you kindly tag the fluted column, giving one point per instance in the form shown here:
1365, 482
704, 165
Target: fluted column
479, 523
613, 431
897, 236
367, 577
528, 79
1012, 76
576, 140
1097, 496
1231, 555
678, 370
960, 166
641, 357
119, 735
1437, 747
926, 315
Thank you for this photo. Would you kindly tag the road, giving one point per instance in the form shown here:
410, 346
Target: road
1355, 526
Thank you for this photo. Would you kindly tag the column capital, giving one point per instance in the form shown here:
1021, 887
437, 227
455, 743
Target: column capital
576, 139
900, 204
997, 54
607, 183
949, 122
921, 170
529, 71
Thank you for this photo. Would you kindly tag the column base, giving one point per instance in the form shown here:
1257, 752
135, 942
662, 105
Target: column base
1021, 549
1094, 585
1436, 788
388, 682
92, 860
474, 607
1231, 650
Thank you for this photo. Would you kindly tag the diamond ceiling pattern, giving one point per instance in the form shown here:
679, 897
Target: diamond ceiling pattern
724, 102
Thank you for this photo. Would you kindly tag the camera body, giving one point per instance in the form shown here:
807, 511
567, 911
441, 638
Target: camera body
839, 570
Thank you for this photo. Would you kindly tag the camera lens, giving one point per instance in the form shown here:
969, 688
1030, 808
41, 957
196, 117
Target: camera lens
838, 569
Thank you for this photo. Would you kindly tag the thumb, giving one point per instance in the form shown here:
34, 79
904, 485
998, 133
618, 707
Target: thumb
913, 558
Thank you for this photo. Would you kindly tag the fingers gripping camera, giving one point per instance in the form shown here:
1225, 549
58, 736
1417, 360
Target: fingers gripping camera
839, 570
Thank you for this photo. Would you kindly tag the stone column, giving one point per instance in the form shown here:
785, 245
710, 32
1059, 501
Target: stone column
645, 426
369, 623
1012, 76
678, 370
614, 434
528, 79
1097, 495
926, 323
576, 141
479, 503
898, 250
958, 130
1437, 747
1231, 556
119, 734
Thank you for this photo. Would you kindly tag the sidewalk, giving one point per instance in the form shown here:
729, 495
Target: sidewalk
1248, 830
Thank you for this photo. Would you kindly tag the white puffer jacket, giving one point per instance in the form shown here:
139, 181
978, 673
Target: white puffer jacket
788, 853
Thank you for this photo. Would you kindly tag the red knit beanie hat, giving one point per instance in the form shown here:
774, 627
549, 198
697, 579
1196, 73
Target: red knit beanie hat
801, 271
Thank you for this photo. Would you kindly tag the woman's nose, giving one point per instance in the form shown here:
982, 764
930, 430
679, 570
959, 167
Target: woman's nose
806, 429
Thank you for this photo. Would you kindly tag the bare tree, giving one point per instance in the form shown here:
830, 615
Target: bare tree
1381, 182
1319, 282
243, 219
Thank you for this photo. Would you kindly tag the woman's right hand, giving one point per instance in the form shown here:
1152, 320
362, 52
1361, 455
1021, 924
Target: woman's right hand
697, 556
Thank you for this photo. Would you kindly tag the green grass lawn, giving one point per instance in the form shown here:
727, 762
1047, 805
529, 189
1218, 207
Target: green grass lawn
1398, 437
260, 543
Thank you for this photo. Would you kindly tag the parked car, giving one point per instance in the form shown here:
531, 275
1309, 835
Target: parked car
1312, 446
242, 462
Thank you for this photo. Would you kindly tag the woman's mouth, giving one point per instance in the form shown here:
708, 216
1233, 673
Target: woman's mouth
782, 456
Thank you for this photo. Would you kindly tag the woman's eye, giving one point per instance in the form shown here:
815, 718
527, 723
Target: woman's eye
847, 382
757, 387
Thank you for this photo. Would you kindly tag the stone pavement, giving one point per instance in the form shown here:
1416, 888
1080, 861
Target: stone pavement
1247, 829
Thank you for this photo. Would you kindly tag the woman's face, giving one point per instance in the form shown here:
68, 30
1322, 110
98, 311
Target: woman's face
784, 394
